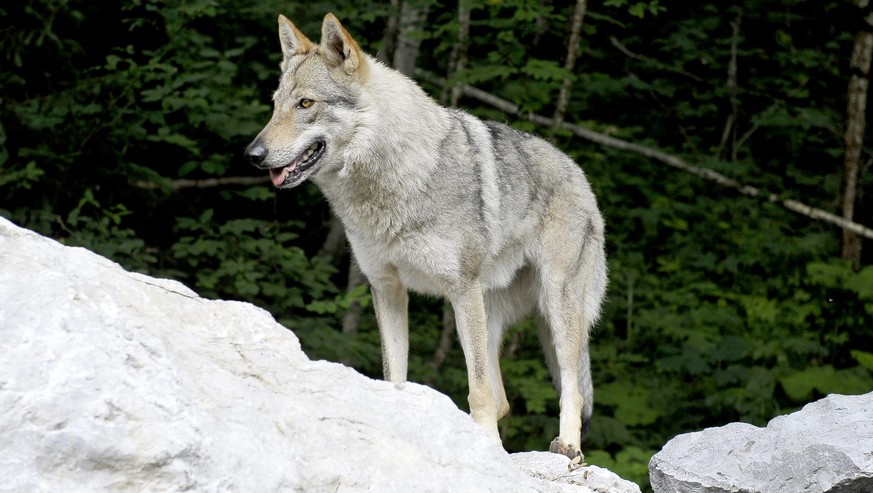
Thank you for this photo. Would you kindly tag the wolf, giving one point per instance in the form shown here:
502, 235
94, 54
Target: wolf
434, 200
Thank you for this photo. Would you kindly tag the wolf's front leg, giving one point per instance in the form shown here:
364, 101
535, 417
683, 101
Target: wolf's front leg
473, 333
390, 302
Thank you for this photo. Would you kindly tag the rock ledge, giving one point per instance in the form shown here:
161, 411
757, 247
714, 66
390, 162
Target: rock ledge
116, 381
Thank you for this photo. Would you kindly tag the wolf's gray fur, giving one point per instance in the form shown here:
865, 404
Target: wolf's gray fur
497, 221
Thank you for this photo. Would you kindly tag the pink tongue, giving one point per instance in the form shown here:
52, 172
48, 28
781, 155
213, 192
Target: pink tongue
277, 175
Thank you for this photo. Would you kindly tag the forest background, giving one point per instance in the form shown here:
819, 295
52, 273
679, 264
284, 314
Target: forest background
122, 126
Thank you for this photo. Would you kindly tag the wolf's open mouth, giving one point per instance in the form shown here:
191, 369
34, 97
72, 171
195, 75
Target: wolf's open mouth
292, 171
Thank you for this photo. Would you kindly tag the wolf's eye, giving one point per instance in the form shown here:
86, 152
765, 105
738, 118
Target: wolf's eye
305, 103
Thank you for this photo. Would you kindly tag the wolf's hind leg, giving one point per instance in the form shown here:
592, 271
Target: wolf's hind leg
567, 344
573, 278
558, 445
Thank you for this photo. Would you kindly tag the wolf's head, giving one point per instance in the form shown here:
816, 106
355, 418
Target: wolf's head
313, 113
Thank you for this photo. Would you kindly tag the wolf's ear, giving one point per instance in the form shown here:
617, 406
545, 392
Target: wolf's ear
338, 48
293, 41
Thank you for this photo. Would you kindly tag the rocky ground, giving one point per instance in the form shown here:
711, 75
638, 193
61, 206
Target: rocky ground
116, 381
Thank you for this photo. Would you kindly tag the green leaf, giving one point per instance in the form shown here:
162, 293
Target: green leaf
863, 358
545, 70
862, 283
322, 306
828, 274
23, 178
257, 194
188, 167
175, 139
634, 404
826, 380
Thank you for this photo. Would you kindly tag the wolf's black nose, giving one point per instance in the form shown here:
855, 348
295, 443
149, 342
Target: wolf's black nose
256, 153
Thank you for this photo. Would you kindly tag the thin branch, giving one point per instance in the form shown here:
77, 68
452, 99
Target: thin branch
627, 52
670, 160
730, 131
754, 128
726, 135
182, 183
642, 58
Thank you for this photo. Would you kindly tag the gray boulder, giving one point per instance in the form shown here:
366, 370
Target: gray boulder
825, 447
116, 381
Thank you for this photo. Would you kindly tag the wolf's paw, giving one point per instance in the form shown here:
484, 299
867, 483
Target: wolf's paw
559, 447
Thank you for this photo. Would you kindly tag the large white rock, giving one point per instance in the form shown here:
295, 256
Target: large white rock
115, 381
825, 447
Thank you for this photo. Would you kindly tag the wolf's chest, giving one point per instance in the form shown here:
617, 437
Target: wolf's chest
435, 263
426, 263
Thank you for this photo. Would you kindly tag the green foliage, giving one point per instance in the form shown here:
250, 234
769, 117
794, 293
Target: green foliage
100, 229
633, 405
720, 308
637, 9
227, 257
805, 384
631, 463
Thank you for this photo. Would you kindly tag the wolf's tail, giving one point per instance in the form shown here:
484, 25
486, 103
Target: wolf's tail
587, 389
594, 268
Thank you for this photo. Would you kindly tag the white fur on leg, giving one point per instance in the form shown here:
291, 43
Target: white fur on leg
469, 308
390, 301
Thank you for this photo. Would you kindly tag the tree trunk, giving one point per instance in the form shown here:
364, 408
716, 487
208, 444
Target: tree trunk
386, 56
570, 63
458, 59
445, 344
335, 244
855, 123
352, 317
412, 15
446, 337
463, 44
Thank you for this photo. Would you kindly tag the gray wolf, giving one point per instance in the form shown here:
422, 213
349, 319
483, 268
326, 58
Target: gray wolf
497, 221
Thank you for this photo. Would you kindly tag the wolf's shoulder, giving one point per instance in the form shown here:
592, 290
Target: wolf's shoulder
496, 130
